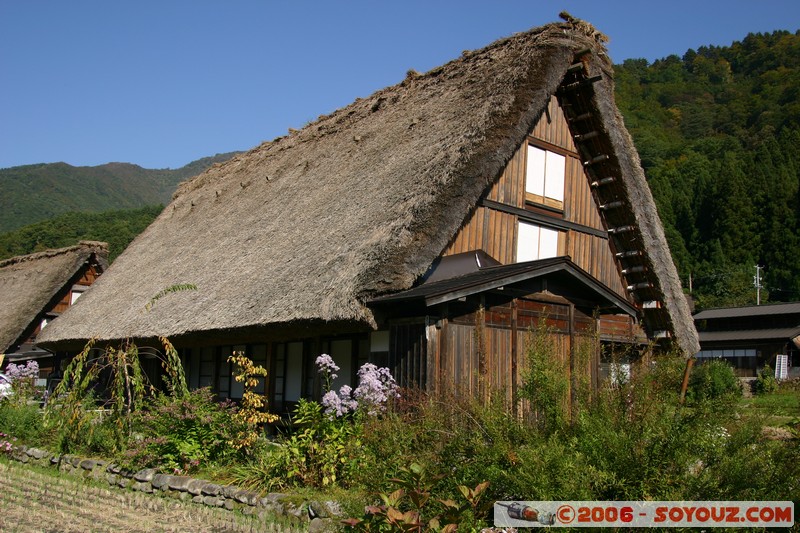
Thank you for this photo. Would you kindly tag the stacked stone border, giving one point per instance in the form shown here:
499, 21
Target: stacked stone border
315, 516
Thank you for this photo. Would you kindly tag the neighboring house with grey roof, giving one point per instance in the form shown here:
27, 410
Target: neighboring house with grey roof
427, 227
36, 289
751, 337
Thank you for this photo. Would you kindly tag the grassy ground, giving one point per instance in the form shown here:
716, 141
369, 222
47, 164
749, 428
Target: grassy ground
780, 408
36, 500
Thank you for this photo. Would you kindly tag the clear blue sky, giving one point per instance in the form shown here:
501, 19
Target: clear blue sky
162, 83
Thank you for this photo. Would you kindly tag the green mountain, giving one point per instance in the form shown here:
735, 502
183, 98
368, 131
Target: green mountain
33, 193
718, 131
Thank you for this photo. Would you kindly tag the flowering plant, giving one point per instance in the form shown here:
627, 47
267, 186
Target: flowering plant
375, 387
23, 378
18, 372
328, 369
6, 446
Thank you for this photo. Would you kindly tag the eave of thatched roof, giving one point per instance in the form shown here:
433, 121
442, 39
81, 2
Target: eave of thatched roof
31, 284
359, 203
635, 231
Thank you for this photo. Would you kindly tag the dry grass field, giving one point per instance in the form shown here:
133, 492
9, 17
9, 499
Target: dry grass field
36, 501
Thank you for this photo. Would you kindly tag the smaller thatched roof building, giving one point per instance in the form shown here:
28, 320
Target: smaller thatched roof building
33, 286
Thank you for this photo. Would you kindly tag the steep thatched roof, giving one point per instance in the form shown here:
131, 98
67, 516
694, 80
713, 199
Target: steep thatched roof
30, 283
358, 203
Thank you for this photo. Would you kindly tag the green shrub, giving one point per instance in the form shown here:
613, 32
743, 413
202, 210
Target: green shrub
412, 508
765, 382
713, 380
319, 451
23, 421
545, 381
182, 434
75, 423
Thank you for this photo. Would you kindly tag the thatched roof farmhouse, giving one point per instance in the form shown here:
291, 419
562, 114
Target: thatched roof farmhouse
300, 238
37, 287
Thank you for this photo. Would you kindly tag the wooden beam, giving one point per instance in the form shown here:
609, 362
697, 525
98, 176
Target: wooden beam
628, 254
605, 181
620, 229
583, 137
612, 205
580, 118
634, 269
579, 84
597, 159
543, 220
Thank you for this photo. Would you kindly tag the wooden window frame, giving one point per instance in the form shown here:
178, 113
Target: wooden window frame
540, 228
550, 204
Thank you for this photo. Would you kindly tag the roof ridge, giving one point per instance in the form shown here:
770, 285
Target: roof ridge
574, 30
98, 246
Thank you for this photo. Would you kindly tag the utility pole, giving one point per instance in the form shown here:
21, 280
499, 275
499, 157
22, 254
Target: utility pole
757, 284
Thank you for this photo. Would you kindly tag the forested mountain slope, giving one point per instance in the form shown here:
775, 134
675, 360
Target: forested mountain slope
118, 228
32, 193
718, 131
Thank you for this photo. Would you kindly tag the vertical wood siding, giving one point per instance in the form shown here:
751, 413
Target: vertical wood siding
479, 344
594, 255
495, 232
88, 277
408, 357
579, 205
556, 130
509, 189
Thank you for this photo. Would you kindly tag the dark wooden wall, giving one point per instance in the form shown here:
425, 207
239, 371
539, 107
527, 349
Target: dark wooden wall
480, 345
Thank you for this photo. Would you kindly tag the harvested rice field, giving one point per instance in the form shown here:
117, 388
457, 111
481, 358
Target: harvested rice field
35, 501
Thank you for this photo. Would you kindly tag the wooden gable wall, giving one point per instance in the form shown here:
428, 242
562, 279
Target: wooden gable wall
493, 226
89, 276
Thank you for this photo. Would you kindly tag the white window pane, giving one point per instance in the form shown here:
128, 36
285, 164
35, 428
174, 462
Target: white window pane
527, 242
534, 179
548, 243
554, 176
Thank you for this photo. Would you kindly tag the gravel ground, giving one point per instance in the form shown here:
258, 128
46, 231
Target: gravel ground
34, 501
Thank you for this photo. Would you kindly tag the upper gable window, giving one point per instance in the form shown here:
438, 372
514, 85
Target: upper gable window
544, 177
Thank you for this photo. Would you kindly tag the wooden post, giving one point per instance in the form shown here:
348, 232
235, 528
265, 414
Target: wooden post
571, 361
685, 385
444, 360
514, 353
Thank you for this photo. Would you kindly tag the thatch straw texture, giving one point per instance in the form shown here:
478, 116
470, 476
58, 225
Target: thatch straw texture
358, 203
29, 283
648, 223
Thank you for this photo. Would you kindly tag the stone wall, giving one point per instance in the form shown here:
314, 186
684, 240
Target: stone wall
313, 515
